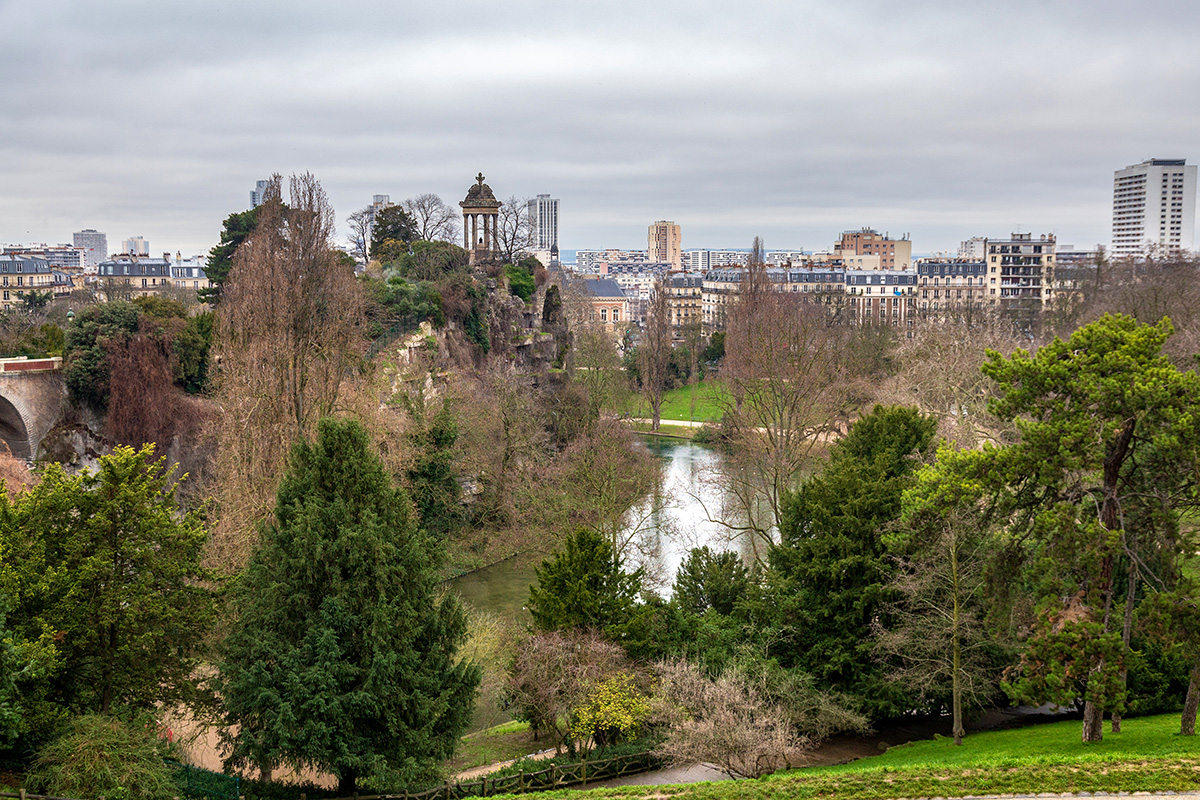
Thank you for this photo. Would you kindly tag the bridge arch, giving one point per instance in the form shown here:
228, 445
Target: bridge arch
14, 431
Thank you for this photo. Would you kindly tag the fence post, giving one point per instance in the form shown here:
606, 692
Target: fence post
22, 792
553, 777
520, 781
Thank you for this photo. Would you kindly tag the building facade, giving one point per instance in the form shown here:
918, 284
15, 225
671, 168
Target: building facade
543, 220
823, 283
881, 296
94, 245
1020, 271
951, 287
136, 275
63, 256
685, 301
893, 253
609, 306
258, 193
664, 242
135, 246
1154, 208
22, 273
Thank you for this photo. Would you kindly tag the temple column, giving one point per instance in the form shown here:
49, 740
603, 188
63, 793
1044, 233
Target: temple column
466, 233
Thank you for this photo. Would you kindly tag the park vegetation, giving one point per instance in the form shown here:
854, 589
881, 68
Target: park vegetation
929, 521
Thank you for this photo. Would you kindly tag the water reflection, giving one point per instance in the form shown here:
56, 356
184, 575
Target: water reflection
678, 515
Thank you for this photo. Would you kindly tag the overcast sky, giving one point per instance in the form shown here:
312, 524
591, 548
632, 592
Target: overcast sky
789, 120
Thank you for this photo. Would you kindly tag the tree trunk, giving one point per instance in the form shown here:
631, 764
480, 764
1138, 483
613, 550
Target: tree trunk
1127, 628
956, 682
1187, 722
347, 783
1093, 722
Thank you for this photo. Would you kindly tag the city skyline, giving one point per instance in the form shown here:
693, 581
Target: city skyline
792, 122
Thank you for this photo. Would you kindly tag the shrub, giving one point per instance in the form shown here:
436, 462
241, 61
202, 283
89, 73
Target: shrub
103, 756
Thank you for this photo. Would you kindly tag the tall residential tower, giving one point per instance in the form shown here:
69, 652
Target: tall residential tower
664, 243
543, 220
1154, 208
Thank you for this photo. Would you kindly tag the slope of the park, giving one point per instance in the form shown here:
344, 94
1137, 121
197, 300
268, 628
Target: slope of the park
1147, 756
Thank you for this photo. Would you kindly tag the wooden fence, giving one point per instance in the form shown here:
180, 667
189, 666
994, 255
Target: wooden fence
556, 776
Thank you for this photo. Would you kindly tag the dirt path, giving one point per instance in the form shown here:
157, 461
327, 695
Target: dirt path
488, 769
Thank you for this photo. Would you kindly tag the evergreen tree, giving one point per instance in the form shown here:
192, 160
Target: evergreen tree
830, 570
342, 656
238, 226
584, 585
107, 587
710, 580
434, 487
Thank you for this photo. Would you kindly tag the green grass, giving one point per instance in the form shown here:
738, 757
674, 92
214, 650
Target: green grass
1147, 755
501, 743
677, 403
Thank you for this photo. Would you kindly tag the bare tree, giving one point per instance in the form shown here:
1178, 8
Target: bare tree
785, 380
654, 352
724, 721
288, 336
939, 372
435, 221
939, 635
552, 673
514, 231
360, 232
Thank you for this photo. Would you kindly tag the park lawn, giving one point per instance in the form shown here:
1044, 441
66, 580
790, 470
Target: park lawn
501, 743
1147, 755
710, 395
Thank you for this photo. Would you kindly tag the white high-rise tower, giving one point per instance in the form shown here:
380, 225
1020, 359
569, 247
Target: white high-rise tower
1154, 208
543, 218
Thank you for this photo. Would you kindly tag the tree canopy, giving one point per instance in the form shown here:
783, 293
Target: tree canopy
343, 653
236, 228
830, 570
104, 570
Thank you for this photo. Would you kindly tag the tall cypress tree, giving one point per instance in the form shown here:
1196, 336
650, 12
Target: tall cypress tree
342, 656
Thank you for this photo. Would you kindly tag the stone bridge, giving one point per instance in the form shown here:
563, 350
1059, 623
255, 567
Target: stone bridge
33, 396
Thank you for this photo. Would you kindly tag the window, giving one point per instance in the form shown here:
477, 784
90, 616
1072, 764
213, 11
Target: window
616, 315
604, 315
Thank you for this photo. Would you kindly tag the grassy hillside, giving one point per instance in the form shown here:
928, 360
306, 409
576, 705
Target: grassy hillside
677, 403
1147, 755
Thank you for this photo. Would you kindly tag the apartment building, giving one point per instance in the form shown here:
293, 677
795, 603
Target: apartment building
664, 243
685, 301
543, 219
893, 253
824, 283
881, 296
1154, 208
94, 245
1020, 271
22, 273
949, 287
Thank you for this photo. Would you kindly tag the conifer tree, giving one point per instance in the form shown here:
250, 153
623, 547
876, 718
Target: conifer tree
829, 574
584, 585
343, 656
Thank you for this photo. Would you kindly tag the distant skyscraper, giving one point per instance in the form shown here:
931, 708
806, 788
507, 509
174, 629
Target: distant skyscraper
664, 243
1154, 207
256, 194
136, 246
543, 218
94, 244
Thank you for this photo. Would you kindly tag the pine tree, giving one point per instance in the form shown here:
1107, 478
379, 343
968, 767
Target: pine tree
342, 656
